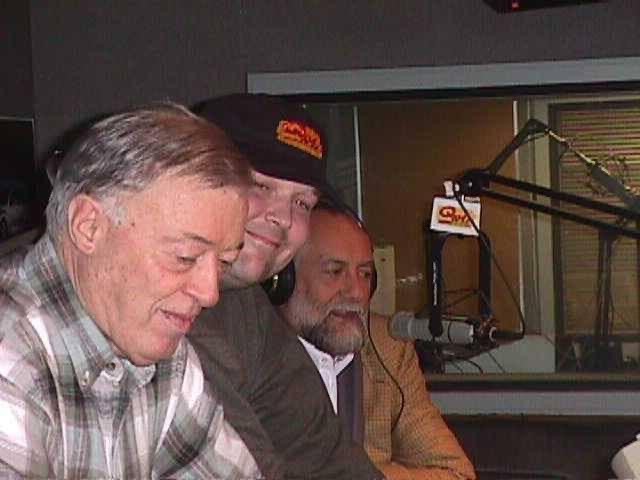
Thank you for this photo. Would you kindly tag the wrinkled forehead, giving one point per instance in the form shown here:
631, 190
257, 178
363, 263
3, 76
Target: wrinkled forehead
338, 236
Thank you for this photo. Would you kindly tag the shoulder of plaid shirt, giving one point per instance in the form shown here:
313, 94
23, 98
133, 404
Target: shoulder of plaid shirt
171, 425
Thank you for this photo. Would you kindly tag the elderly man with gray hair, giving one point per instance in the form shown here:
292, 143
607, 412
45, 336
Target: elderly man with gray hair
97, 379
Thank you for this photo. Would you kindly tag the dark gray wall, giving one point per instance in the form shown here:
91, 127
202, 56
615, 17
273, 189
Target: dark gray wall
93, 57
16, 86
378, 33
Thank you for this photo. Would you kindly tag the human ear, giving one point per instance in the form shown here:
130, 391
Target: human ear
87, 222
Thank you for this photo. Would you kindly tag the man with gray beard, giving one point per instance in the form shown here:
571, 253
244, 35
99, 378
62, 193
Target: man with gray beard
374, 381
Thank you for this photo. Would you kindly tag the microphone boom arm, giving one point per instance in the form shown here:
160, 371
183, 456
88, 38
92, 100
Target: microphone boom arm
477, 182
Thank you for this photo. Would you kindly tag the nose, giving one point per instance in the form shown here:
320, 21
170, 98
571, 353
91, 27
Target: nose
203, 282
357, 288
280, 213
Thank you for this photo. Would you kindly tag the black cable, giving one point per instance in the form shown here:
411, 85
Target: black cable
492, 357
460, 359
565, 356
486, 301
462, 298
454, 365
393, 379
454, 357
483, 297
497, 265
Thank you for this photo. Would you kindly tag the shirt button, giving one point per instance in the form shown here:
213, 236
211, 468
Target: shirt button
111, 366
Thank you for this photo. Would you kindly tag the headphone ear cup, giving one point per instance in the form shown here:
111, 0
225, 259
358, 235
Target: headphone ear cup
280, 286
374, 283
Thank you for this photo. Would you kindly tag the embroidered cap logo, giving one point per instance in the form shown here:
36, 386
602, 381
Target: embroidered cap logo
301, 136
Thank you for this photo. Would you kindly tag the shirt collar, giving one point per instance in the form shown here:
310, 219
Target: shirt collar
88, 349
339, 363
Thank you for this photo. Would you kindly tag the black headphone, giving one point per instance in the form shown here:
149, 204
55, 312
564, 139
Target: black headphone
280, 286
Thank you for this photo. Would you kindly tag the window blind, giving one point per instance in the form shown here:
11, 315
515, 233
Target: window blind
607, 132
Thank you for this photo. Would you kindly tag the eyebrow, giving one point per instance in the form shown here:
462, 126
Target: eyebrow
189, 237
368, 263
200, 239
331, 260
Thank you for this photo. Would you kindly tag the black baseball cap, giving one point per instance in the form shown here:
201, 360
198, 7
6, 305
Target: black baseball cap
278, 137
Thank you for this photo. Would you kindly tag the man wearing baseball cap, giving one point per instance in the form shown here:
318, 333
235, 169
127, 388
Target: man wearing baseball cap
270, 388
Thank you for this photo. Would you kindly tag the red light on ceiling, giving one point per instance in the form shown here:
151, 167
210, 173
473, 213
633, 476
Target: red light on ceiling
515, 6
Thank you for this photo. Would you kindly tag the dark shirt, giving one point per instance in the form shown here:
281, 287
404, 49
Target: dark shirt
272, 393
350, 400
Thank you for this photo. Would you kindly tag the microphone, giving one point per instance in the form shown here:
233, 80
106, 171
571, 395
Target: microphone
405, 326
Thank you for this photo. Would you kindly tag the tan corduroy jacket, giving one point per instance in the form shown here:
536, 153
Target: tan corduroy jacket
421, 445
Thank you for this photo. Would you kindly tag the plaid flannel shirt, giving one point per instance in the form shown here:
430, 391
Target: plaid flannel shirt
70, 408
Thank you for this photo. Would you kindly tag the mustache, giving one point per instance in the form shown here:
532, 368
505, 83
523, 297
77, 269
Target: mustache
347, 307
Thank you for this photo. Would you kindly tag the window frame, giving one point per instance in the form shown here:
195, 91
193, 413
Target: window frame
594, 77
